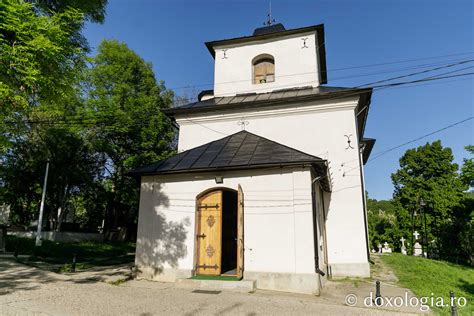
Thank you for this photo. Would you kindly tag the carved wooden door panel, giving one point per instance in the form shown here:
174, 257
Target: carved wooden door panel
209, 234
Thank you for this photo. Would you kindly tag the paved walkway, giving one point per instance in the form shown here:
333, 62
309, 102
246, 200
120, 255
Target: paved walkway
29, 291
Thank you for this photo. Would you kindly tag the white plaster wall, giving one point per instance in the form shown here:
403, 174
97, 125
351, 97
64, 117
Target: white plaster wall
294, 66
278, 231
317, 128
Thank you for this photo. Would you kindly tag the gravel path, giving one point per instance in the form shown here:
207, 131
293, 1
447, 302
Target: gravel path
29, 291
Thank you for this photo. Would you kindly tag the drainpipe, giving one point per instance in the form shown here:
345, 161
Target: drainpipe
315, 227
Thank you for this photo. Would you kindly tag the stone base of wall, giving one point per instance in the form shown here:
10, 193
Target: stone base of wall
344, 270
286, 282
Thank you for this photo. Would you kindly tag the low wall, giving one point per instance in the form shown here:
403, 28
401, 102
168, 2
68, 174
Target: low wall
61, 236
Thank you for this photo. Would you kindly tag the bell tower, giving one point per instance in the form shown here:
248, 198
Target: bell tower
272, 58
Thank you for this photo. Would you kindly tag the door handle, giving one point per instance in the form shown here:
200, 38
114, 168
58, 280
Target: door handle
201, 236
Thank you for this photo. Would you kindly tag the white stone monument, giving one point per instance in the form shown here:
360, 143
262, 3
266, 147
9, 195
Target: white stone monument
403, 248
386, 248
417, 249
380, 248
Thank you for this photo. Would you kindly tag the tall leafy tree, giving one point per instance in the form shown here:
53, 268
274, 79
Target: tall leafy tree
125, 100
42, 57
428, 173
74, 167
93, 10
467, 170
38, 58
382, 221
41, 53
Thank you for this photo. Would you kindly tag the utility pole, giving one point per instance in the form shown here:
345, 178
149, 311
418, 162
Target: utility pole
40, 219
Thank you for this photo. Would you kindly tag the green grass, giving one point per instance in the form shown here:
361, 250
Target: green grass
215, 277
433, 278
57, 257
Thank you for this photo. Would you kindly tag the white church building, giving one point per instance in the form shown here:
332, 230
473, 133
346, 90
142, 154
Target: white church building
268, 182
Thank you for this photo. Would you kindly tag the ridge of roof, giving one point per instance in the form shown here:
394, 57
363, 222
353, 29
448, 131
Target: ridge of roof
278, 27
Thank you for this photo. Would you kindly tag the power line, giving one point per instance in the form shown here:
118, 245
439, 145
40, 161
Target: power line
105, 119
451, 72
417, 73
422, 80
426, 84
207, 127
396, 70
418, 138
336, 69
389, 79
400, 61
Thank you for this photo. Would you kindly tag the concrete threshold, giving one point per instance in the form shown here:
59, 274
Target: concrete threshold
217, 285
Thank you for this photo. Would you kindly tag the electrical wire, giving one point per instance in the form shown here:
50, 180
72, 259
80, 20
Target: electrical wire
400, 61
417, 73
104, 120
378, 155
316, 72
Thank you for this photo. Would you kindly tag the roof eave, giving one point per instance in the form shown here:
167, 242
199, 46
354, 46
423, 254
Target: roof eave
367, 150
233, 168
171, 112
363, 110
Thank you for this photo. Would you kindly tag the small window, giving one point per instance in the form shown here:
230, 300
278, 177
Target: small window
263, 69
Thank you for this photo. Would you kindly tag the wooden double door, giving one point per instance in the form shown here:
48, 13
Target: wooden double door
220, 233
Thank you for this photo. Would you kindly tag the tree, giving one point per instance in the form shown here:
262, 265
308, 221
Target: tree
73, 168
93, 10
428, 173
382, 223
125, 101
43, 56
467, 170
42, 52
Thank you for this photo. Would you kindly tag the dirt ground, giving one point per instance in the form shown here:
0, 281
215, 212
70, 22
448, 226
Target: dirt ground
29, 291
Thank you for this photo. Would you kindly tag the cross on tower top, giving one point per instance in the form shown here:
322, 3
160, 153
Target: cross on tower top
270, 19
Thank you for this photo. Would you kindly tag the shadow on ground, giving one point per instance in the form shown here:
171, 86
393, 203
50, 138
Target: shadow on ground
15, 277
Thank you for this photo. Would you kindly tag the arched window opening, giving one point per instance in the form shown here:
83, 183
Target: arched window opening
263, 69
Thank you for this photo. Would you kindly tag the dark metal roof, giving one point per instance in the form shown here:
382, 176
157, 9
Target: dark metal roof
265, 99
242, 150
269, 29
319, 29
279, 97
368, 146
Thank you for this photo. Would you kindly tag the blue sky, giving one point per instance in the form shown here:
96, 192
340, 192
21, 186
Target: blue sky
171, 35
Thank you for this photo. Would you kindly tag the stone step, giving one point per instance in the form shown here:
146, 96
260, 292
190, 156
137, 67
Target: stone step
217, 285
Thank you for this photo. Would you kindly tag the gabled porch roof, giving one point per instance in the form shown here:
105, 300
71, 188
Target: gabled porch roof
239, 151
